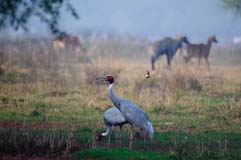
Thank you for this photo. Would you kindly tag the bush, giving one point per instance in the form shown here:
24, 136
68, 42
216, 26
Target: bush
183, 81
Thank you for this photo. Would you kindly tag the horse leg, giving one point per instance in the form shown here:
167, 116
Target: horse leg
186, 62
169, 61
199, 61
206, 59
152, 62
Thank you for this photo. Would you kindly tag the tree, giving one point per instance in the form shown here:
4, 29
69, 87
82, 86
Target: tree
234, 5
17, 13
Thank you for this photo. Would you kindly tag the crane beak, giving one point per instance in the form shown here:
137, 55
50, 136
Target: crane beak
101, 79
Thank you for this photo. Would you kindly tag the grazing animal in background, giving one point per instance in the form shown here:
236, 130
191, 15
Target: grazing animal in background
167, 46
112, 117
69, 42
198, 51
132, 112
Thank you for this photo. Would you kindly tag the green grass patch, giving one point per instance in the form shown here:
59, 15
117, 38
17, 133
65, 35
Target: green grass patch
120, 154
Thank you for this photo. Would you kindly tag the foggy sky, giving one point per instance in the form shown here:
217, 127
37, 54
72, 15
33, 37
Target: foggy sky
154, 18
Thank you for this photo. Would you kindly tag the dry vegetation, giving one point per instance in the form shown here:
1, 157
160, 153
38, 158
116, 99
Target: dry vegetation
39, 85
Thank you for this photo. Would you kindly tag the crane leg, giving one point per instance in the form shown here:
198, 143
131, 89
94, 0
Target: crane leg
117, 138
144, 135
120, 136
109, 139
131, 137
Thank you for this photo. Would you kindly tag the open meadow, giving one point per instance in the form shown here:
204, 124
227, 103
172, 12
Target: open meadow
52, 106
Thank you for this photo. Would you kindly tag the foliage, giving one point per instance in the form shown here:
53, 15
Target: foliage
234, 5
17, 13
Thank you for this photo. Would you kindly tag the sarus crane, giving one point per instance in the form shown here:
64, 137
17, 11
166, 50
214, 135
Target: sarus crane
112, 117
131, 111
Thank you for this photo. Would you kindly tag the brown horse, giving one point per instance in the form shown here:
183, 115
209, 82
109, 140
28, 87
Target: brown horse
69, 42
198, 51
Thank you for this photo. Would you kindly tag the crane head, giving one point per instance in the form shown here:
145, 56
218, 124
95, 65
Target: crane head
108, 78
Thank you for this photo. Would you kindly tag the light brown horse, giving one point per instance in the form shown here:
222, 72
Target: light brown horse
198, 51
69, 42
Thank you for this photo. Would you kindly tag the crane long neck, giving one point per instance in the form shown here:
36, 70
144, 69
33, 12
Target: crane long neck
107, 131
112, 96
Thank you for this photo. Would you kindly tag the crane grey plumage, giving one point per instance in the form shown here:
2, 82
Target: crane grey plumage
167, 46
112, 117
132, 112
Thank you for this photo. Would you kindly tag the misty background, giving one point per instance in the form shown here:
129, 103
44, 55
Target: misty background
154, 19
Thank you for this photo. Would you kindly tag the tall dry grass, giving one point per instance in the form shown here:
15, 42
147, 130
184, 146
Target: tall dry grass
32, 70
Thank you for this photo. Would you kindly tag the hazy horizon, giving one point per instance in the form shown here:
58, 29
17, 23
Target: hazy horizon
154, 19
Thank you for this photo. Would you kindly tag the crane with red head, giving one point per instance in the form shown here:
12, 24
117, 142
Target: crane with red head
134, 114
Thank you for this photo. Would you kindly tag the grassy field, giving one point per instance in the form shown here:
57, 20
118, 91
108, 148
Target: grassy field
52, 106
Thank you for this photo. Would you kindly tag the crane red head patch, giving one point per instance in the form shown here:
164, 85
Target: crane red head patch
110, 79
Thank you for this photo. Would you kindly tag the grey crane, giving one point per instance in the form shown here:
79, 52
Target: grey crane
167, 46
112, 117
132, 112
